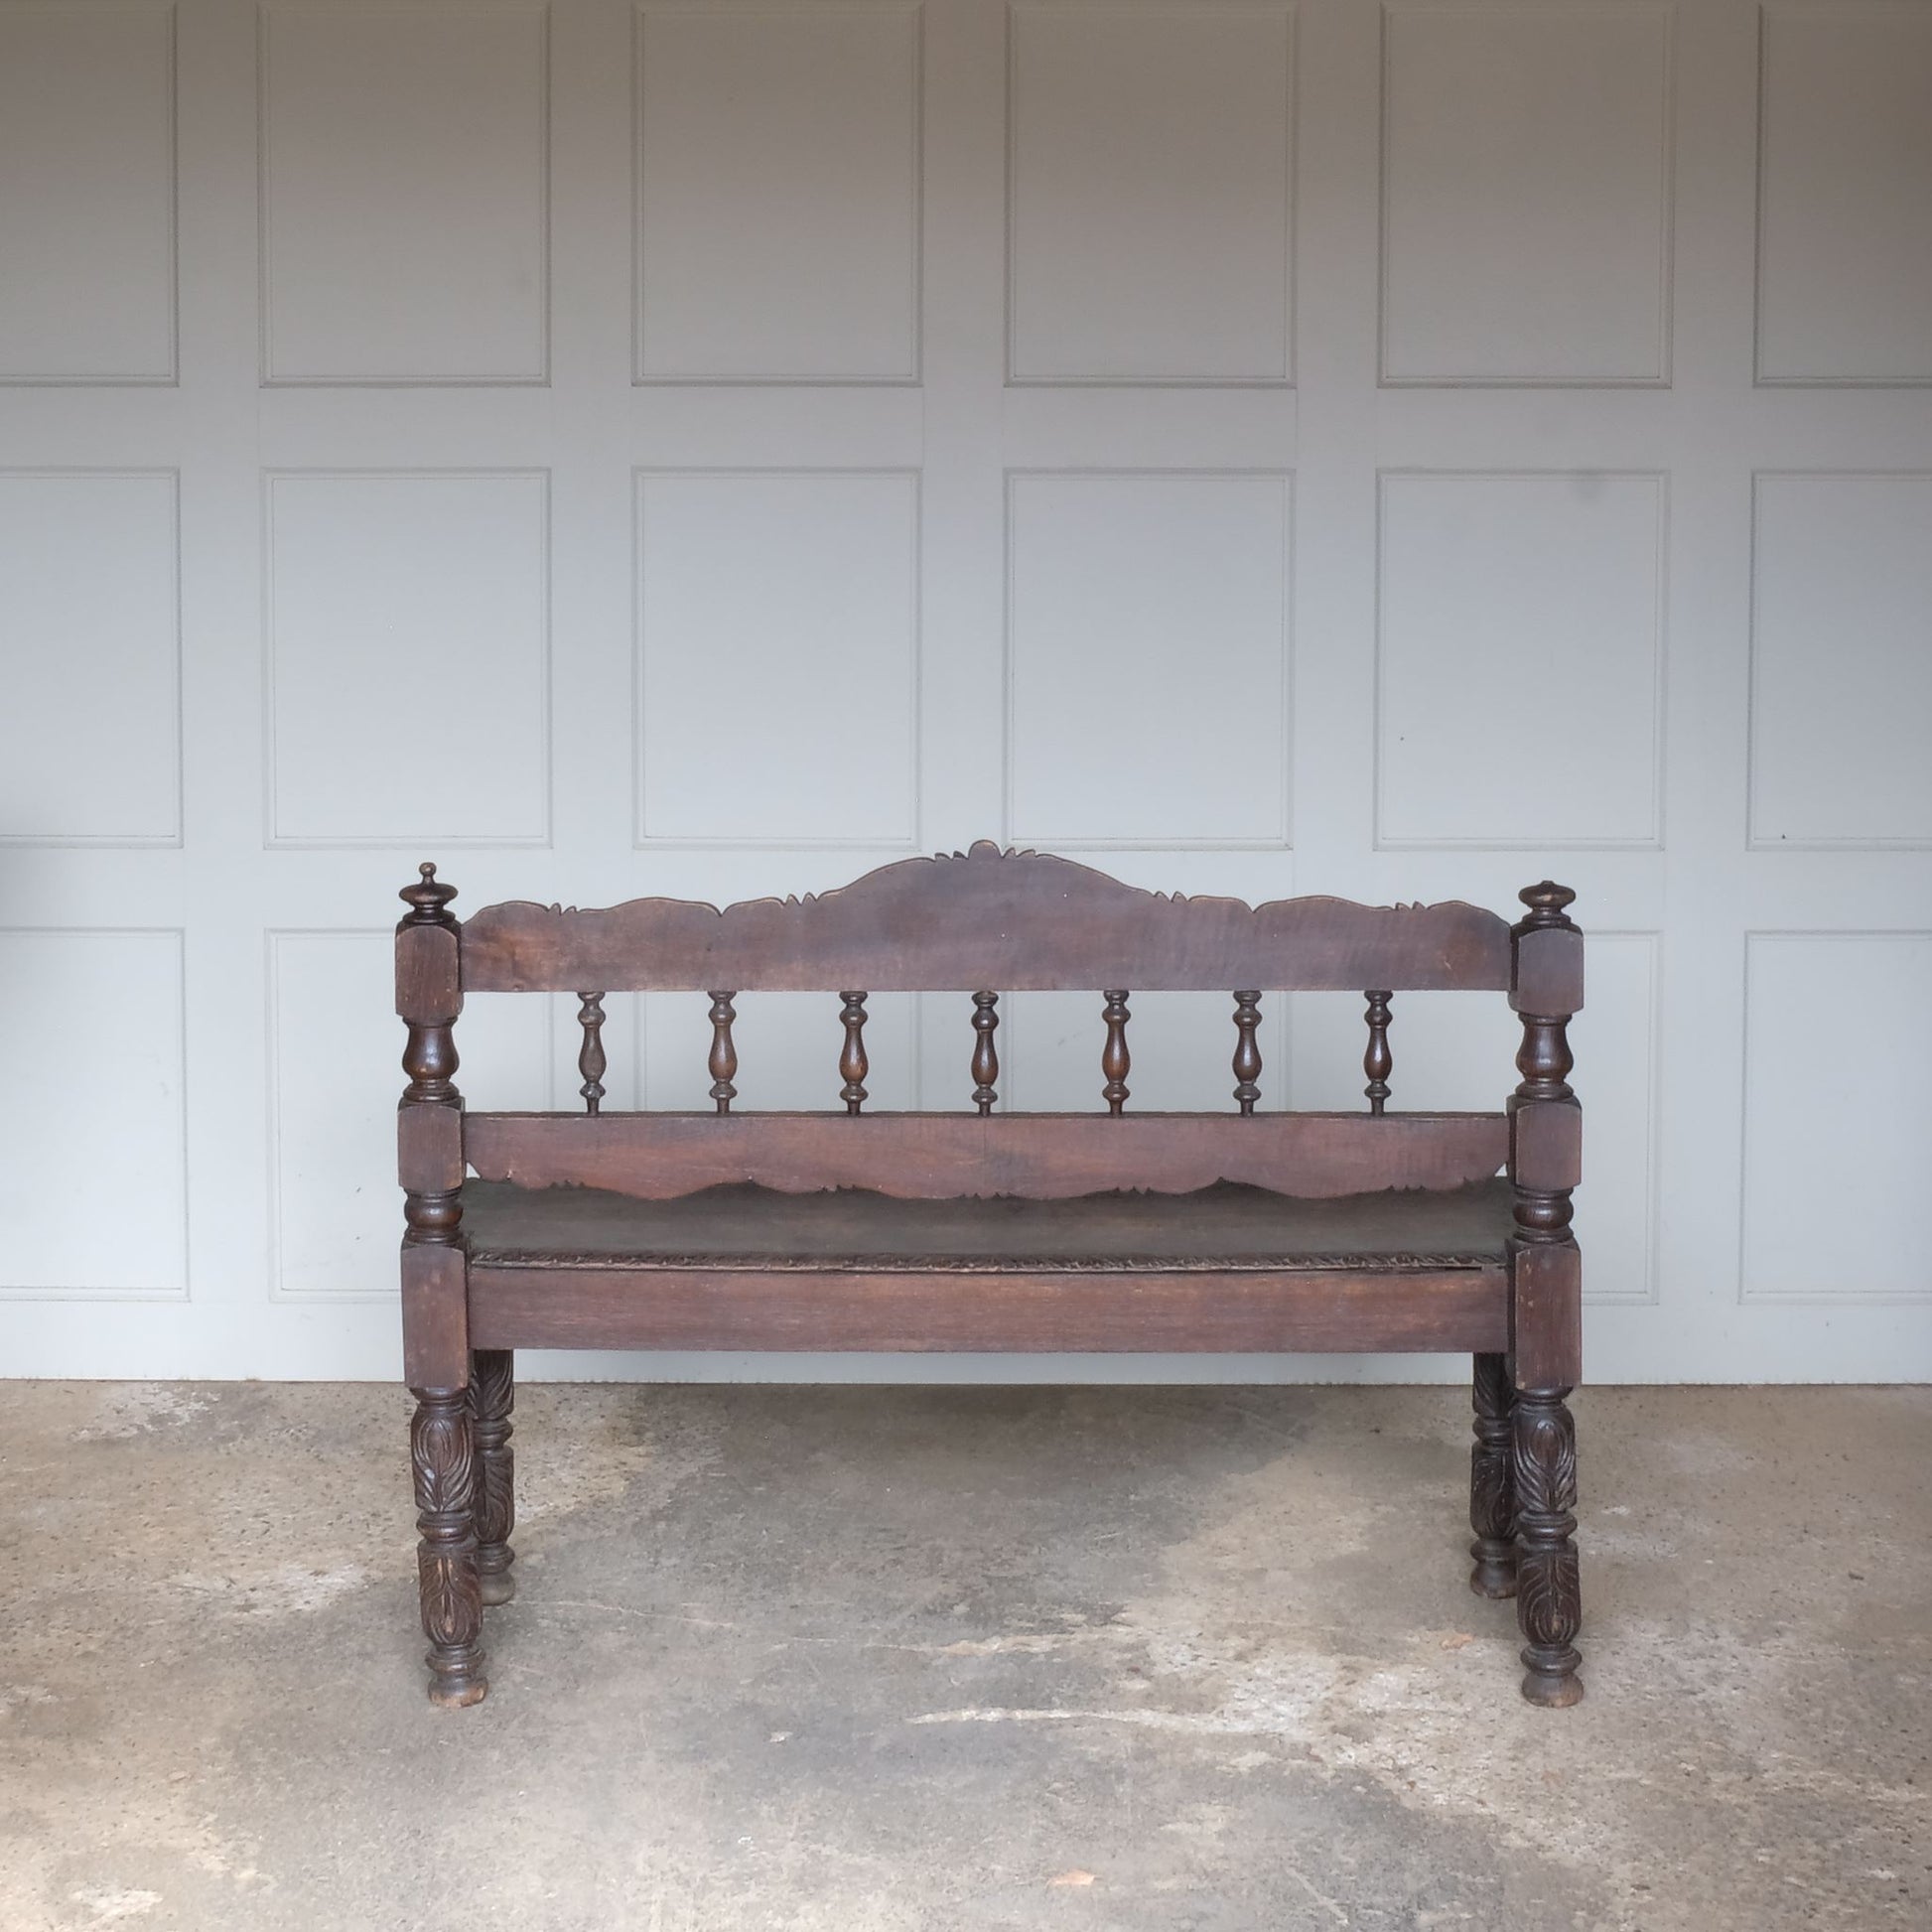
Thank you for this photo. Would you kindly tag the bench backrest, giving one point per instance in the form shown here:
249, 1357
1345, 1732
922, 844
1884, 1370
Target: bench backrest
984, 922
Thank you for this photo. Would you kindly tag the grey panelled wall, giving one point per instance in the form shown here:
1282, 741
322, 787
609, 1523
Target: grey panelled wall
710, 449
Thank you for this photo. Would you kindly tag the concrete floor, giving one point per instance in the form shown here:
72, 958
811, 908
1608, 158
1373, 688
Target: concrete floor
874, 1660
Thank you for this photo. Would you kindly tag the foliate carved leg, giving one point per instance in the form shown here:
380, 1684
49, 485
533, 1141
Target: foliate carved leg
493, 1394
1548, 1598
443, 1455
1492, 1483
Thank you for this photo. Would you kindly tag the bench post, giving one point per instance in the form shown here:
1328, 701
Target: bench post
1546, 1282
435, 1294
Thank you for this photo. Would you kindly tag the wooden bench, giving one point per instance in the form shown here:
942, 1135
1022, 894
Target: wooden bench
1243, 1230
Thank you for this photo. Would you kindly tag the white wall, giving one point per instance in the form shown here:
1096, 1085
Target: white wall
716, 449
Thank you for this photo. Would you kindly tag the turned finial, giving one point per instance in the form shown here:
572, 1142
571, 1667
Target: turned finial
1545, 901
427, 899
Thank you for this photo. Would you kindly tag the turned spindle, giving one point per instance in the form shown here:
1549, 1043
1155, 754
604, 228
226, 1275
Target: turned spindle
1543, 1059
432, 1208
1546, 988
986, 1060
1114, 1060
590, 1062
852, 1057
1377, 1062
723, 1063
1247, 1055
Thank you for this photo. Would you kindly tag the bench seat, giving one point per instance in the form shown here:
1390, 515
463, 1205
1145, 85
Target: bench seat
745, 1227
1231, 1269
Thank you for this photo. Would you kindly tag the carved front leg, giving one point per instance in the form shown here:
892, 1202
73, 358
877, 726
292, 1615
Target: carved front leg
493, 1394
1492, 1483
443, 1455
1549, 1596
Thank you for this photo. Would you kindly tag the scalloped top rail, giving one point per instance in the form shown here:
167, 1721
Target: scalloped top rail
1017, 921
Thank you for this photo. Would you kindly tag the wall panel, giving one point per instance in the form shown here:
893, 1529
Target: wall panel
92, 1135
778, 203
404, 208
1401, 448
1150, 194
1147, 659
1526, 196
408, 658
90, 608
1841, 662
87, 193
1503, 595
1844, 224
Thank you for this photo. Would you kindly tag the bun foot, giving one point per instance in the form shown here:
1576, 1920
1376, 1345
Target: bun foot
1553, 1682
457, 1693
1493, 1576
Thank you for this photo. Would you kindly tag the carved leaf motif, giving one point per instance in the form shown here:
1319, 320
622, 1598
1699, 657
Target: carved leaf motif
495, 1383
496, 1509
444, 1457
451, 1597
1546, 1463
1549, 1595
1491, 1504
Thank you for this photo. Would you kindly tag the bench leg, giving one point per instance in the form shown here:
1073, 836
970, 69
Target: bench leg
493, 1394
1492, 1483
443, 1456
1549, 1596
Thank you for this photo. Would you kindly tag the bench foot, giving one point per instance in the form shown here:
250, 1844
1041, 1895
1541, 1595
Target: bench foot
1492, 1486
1548, 1598
493, 1394
443, 1456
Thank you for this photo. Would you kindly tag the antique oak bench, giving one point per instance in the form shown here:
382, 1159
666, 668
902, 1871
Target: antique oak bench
1242, 1230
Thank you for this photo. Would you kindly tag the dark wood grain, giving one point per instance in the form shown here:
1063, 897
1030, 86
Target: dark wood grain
1115, 1061
443, 1456
986, 1055
591, 1061
429, 1134
1377, 1061
933, 1156
978, 1231
1227, 1226
493, 1397
1492, 1488
985, 919
1247, 1052
852, 1055
1549, 1596
722, 1063
1546, 1293
1462, 1310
